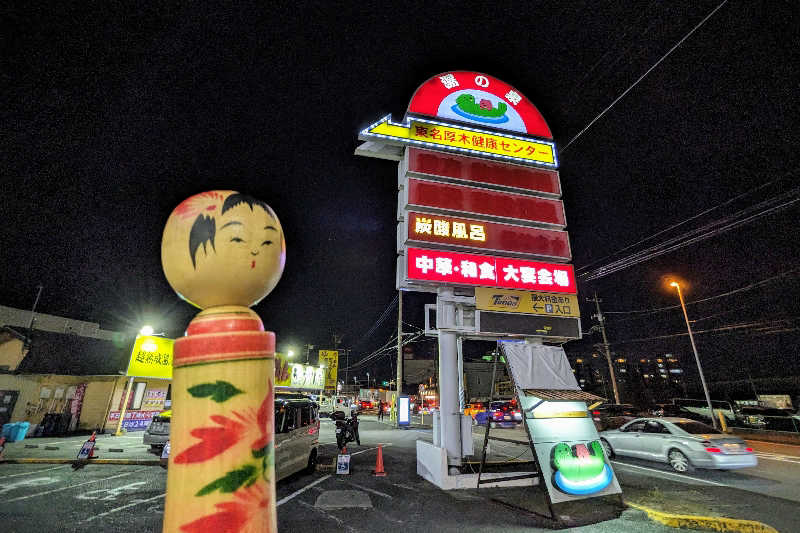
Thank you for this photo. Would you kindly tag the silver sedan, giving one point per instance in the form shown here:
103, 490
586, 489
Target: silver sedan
682, 443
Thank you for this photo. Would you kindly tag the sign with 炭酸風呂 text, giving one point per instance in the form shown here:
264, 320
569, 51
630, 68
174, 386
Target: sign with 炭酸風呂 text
462, 233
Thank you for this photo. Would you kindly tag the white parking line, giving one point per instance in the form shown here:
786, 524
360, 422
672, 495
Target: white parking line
778, 457
135, 502
19, 498
370, 449
679, 476
373, 491
300, 491
35, 471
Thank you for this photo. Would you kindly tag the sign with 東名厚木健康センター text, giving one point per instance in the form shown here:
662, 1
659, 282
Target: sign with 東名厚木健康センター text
462, 139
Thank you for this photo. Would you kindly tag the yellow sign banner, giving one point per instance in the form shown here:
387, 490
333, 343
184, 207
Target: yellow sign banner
298, 376
151, 357
330, 360
463, 139
533, 303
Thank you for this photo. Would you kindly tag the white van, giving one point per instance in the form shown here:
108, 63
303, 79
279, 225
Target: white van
330, 404
296, 434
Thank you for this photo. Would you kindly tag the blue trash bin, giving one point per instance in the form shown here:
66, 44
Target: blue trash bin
21, 431
9, 431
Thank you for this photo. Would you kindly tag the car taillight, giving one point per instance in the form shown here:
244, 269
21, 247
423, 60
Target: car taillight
748, 449
713, 450
498, 414
596, 413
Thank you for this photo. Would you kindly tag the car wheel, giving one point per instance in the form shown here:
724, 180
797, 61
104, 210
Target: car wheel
607, 448
312, 463
679, 462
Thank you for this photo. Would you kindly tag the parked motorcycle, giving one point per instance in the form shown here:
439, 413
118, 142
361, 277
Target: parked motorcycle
346, 429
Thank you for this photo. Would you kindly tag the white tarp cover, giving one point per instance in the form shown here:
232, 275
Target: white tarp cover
536, 366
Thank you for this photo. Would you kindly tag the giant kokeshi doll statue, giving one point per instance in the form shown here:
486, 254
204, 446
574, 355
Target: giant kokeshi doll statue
223, 252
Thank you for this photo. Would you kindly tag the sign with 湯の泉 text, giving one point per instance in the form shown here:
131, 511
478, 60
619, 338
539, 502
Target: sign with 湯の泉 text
151, 357
534, 303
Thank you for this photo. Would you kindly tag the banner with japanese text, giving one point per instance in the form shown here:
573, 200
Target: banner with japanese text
151, 357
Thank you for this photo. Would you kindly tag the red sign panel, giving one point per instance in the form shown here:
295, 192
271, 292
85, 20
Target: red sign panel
484, 270
478, 99
460, 199
494, 236
482, 171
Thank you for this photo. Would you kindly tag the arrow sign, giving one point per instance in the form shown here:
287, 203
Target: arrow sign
462, 139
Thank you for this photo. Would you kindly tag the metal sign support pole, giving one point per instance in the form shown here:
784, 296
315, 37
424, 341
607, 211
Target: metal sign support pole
448, 378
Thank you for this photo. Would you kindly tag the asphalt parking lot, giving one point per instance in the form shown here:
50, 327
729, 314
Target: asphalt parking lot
99, 497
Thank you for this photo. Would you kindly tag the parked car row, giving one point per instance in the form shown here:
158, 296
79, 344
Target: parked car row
296, 434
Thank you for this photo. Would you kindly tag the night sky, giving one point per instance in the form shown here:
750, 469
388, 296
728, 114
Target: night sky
111, 117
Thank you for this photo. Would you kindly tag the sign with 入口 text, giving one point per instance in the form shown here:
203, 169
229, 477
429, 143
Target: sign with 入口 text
488, 271
425, 133
534, 303
151, 357
487, 236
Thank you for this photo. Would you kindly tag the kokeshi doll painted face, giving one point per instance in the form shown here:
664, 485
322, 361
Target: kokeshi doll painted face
223, 248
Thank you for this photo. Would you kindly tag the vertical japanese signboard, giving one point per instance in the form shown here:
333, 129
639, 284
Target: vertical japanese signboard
480, 194
330, 360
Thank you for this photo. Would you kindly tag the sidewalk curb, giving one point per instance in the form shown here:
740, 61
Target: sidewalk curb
716, 523
57, 461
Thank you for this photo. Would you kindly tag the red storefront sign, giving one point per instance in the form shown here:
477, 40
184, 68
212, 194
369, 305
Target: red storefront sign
429, 165
510, 109
458, 199
471, 233
489, 271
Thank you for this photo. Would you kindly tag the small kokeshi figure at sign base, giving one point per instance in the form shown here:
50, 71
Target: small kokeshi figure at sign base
223, 252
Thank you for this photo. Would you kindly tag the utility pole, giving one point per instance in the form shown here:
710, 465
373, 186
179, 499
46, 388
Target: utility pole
27, 343
601, 321
399, 353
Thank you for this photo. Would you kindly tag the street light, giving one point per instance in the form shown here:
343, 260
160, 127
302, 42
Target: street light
146, 330
367, 379
290, 353
694, 349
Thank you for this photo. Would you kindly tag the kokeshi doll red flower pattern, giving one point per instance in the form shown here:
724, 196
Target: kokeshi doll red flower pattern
223, 252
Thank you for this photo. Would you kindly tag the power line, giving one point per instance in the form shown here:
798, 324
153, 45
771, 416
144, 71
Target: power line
778, 323
603, 112
378, 322
676, 243
722, 295
698, 215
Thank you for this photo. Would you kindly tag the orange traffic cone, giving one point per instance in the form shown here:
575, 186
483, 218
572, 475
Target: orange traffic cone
92, 439
379, 463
